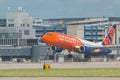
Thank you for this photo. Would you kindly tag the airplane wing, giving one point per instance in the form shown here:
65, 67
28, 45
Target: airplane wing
112, 47
98, 48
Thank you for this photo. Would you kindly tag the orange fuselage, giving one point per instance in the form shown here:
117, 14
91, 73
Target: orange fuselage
61, 40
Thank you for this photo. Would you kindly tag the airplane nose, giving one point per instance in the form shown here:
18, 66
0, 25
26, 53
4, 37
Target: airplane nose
45, 39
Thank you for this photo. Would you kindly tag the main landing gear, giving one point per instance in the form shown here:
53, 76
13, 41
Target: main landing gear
87, 58
70, 56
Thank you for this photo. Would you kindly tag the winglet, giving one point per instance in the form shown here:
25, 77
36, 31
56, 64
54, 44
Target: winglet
109, 38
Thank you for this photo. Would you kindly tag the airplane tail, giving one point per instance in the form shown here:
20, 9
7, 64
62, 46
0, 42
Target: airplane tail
109, 38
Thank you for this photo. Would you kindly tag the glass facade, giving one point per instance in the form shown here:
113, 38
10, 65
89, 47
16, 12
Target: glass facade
41, 30
94, 33
2, 22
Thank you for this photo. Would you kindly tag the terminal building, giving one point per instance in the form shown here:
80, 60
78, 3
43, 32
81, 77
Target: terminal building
94, 29
41, 30
19, 34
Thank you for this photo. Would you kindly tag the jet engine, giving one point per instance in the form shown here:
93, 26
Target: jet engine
56, 49
85, 49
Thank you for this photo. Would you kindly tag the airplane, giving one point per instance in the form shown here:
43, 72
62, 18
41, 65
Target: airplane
59, 41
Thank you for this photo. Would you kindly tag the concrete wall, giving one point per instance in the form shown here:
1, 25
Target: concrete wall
15, 51
39, 52
76, 30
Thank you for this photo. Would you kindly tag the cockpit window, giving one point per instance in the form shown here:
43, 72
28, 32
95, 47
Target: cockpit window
48, 34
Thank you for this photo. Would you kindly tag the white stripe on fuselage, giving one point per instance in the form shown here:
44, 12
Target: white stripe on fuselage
89, 43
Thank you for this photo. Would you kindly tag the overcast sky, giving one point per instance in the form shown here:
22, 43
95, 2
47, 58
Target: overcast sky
63, 8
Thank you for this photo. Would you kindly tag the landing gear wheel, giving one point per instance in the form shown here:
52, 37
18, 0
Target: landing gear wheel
87, 58
70, 55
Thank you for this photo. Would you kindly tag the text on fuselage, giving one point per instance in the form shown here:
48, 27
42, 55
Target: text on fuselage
67, 39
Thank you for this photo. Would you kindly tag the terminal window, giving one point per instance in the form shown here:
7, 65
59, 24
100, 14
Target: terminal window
11, 25
26, 32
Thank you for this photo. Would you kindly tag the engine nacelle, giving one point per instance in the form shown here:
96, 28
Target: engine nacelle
85, 49
56, 49
81, 49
